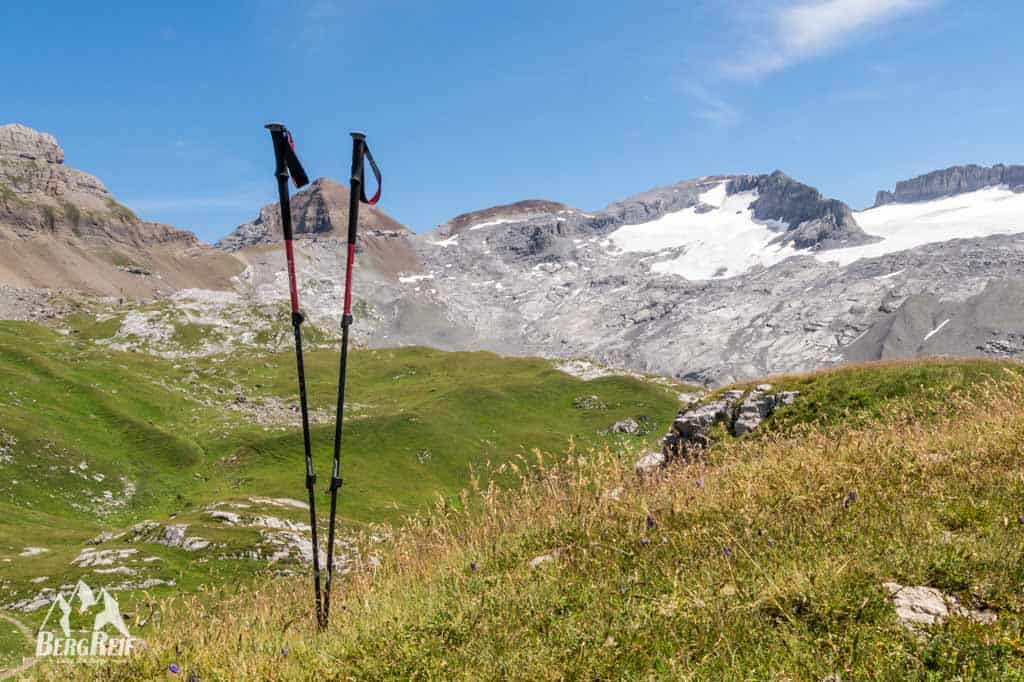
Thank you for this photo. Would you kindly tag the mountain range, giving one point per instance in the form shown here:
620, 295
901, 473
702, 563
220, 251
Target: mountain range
709, 280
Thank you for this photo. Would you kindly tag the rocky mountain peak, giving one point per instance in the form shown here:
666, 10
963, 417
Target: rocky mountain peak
951, 181
814, 222
21, 142
519, 211
318, 210
32, 167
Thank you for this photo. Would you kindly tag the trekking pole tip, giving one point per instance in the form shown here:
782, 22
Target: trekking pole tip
274, 127
358, 135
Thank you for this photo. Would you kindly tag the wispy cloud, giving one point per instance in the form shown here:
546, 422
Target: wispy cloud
787, 33
248, 200
710, 107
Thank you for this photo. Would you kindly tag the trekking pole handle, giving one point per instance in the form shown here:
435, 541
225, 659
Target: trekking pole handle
286, 160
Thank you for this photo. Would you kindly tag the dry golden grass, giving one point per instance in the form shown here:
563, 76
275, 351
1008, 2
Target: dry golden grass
763, 562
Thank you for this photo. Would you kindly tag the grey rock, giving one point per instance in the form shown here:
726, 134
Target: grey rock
588, 402
754, 409
692, 427
650, 464
988, 323
922, 606
814, 221
627, 426
786, 398
951, 181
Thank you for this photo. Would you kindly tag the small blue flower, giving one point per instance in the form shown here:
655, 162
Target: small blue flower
851, 497
651, 523
726, 552
284, 651
644, 541
698, 483
173, 667
472, 565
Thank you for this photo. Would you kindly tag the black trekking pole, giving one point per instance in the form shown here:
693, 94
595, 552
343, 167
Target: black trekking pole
287, 162
357, 194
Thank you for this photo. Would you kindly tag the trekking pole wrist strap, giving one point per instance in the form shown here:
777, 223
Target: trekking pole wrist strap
376, 174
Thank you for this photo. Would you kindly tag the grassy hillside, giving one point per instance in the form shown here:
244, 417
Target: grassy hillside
766, 561
93, 441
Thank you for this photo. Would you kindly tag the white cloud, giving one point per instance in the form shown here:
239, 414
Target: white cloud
791, 32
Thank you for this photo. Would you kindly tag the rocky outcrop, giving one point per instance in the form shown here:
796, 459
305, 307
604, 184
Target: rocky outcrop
757, 406
951, 181
655, 203
814, 221
740, 412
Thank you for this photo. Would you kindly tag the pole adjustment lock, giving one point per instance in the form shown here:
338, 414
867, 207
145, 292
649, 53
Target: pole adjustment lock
298, 318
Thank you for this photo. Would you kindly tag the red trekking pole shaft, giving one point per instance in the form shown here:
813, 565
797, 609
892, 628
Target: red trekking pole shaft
287, 162
357, 193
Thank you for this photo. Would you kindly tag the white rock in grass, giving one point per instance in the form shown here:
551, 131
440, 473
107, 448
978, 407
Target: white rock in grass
649, 464
543, 559
33, 551
920, 606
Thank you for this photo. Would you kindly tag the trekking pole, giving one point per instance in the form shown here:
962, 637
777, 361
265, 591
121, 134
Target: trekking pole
287, 162
357, 194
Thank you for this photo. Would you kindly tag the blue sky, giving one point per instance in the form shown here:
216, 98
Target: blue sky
472, 104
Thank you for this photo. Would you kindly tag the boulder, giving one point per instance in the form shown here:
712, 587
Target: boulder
921, 606
627, 426
753, 411
650, 464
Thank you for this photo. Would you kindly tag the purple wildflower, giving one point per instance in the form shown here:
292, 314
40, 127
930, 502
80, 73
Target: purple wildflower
1020, 519
651, 523
698, 483
284, 651
851, 497
726, 552
173, 667
472, 565
644, 541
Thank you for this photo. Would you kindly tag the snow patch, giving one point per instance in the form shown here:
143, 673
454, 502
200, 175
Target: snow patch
723, 242
984, 213
492, 223
445, 243
415, 278
936, 330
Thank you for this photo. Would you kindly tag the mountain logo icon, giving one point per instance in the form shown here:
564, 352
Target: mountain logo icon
84, 624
